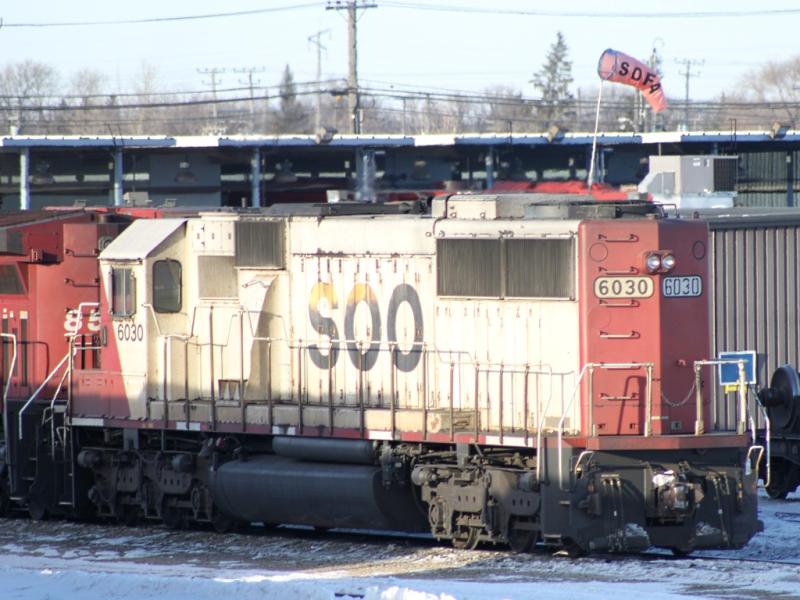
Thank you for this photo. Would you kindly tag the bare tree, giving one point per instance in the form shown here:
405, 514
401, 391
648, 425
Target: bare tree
506, 110
143, 120
776, 85
86, 89
25, 89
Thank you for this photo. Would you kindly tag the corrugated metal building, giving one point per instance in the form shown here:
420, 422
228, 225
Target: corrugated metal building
755, 292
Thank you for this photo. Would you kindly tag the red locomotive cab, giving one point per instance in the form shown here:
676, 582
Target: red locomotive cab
644, 322
48, 292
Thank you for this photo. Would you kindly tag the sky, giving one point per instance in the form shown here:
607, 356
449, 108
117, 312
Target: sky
439, 45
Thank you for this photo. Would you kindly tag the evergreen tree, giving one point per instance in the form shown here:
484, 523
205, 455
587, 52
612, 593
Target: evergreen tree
291, 113
552, 81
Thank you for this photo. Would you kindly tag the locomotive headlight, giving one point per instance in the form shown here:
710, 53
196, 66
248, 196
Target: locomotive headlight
668, 262
653, 263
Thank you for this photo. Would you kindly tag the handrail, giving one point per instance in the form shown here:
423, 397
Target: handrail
699, 425
79, 320
591, 367
7, 387
47, 379
747, 459
767, 441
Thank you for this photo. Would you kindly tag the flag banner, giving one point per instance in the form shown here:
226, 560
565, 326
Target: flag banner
621, 68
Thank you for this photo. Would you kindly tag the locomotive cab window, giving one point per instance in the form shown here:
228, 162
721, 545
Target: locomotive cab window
506, 268
167, 289
10, 281
123, 292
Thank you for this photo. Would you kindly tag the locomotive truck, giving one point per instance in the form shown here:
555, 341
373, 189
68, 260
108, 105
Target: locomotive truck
497, 369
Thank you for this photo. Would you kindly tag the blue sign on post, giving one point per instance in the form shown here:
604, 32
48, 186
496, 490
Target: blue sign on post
729, 373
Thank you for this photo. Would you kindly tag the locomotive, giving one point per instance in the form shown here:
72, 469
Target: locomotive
494, 369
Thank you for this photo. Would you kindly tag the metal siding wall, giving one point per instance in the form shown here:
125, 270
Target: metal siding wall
761, 199
755, 295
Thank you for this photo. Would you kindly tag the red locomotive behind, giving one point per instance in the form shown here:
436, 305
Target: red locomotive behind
499, 369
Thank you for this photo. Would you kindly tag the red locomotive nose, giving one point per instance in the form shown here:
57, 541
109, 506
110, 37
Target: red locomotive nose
645, 308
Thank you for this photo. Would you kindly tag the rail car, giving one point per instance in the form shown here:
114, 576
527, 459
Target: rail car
754, 300
499, 369
49, 275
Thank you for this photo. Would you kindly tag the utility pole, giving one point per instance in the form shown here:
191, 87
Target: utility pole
213, 83
250, 86
352, 7
316, 39
687, 63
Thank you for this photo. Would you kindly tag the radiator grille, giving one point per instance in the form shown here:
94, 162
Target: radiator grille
540, 269
468, 268
515, 268
260, 244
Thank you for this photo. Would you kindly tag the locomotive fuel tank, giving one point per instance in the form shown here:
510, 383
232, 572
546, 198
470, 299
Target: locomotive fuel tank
279, 489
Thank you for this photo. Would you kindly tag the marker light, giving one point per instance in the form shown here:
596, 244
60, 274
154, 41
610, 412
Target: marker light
653, 263
668, 262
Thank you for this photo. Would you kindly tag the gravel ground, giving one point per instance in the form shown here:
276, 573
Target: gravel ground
57, 559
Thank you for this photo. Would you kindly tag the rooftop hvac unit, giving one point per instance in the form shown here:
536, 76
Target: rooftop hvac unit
691, 181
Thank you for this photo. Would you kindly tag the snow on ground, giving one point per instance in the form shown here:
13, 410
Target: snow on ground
70, 561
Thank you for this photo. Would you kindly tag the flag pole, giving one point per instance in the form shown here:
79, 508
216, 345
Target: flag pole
594, 138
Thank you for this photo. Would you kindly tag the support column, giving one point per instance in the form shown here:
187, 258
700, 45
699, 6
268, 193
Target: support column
118, 190
255, 178
365, 175
24, 186
490, 168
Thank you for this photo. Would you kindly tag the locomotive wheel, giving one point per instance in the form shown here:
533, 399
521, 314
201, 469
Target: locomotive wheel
466, 538
222, 523
37, 509
521, 540
776, 493
785, 388
5, 501
172, 516
125, 513
37, 505
783, 479
573, 550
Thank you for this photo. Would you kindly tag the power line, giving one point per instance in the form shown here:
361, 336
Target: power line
219, 15
460, 8
426, 7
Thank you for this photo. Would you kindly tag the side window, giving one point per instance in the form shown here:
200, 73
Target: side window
10, 282
123, 292
167, 286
